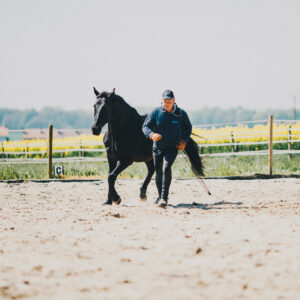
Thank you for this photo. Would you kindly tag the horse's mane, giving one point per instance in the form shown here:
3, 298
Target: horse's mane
121, 101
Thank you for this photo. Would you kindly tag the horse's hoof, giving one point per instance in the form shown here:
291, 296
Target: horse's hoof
117, 200
143, 197
108, 202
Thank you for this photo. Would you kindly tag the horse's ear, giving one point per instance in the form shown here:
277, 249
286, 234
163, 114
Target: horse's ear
96, 92
112, 93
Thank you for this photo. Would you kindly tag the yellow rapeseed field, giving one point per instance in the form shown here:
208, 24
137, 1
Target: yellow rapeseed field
78, 142
244, 134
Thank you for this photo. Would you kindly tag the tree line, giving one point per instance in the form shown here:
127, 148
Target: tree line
208, 115
31, 118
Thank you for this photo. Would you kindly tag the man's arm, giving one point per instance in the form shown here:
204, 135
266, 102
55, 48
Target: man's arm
148, 124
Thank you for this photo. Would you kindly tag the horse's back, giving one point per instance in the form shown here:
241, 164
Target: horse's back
143, 146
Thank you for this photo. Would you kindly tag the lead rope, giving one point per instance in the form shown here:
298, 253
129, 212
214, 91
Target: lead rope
173, 111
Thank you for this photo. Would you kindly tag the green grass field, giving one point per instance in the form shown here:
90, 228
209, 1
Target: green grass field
214, 166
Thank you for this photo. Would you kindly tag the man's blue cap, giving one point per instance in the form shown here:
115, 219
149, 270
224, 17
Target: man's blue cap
167, 94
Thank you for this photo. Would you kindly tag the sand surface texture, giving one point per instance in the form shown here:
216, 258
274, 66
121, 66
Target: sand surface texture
57, 241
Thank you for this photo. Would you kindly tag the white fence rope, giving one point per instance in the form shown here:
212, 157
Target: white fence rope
230, 123
89, 144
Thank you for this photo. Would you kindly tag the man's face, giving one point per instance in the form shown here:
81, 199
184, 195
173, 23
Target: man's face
168, 104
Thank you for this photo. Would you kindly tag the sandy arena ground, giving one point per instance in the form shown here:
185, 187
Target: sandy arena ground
58, 242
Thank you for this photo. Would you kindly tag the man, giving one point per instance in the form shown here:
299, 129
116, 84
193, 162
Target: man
170, 128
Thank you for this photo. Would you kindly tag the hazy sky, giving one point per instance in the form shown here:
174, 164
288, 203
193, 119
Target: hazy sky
209, 52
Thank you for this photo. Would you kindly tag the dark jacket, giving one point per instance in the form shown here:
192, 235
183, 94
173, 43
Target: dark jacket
173, 127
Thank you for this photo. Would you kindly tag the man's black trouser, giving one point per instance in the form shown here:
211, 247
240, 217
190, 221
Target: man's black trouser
163, 160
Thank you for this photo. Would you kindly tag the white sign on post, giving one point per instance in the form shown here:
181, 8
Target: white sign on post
58, 170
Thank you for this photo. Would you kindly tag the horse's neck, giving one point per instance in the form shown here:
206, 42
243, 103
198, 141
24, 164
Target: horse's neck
121, 118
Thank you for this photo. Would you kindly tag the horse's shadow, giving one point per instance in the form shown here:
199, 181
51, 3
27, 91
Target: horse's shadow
216, 205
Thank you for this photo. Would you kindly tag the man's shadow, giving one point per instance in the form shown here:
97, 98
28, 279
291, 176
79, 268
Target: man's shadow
216, 205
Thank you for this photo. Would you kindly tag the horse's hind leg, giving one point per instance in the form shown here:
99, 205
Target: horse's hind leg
122, 165
143, 189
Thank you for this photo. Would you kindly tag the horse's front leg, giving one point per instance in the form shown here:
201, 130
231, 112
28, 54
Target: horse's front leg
151, 169
112, 165
122, 165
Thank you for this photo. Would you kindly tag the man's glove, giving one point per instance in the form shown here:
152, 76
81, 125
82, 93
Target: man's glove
155, 136
181, 145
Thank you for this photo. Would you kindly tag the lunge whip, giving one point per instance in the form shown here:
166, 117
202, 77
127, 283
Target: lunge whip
201, 137
199, 178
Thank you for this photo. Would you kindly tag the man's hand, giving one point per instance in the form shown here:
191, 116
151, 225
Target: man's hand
155, 136
181, 145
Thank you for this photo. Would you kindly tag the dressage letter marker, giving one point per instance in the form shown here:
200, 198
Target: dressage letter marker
58, 170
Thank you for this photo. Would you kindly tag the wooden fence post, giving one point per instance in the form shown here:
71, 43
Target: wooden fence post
80, 147
232, 141
2, 150
270, 144
289, 141
50, 141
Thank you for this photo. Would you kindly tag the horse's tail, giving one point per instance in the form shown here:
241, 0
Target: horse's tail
192, 152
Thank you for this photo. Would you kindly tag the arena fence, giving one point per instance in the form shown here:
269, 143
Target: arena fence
46, 151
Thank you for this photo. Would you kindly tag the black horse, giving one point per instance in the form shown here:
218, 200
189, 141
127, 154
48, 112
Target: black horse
125, 142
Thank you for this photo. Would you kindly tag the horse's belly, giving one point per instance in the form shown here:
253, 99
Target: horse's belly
142, 158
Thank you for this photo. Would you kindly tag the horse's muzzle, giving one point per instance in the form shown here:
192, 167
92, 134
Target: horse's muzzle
96, 130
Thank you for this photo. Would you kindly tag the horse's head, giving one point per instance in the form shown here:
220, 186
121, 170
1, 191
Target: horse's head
102, 110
